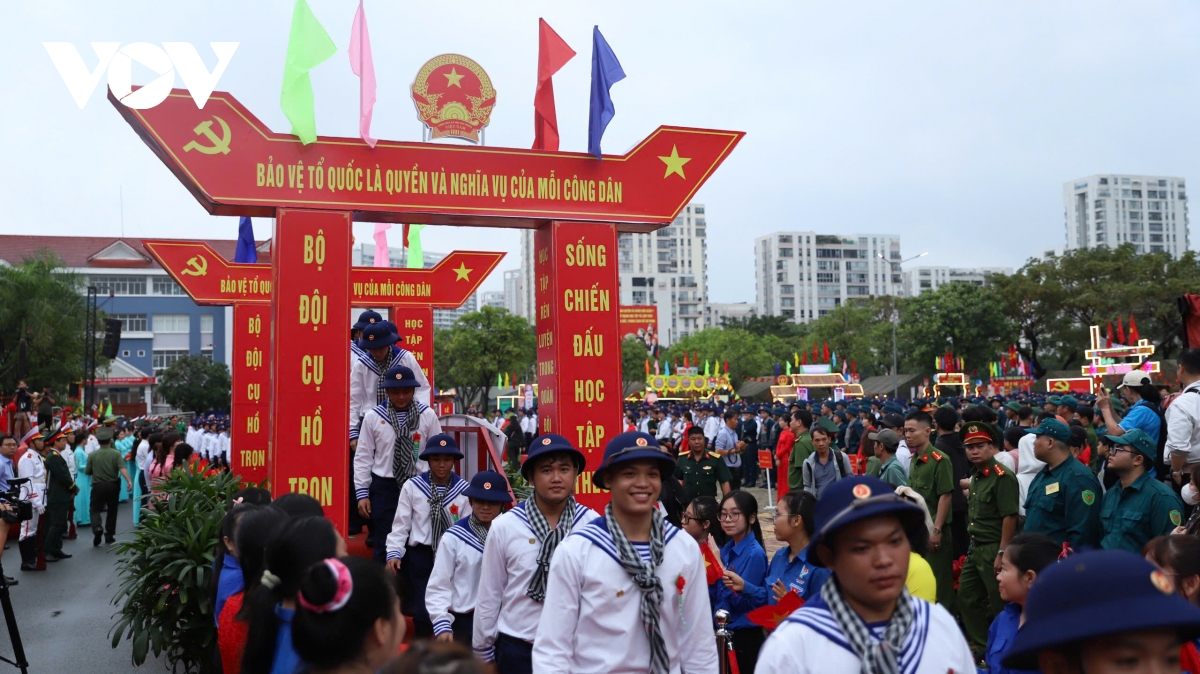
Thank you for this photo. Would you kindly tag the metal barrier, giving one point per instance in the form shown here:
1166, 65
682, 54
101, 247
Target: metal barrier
724, 641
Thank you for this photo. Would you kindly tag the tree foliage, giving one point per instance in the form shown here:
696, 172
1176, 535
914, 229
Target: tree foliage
196, 384
633, 359
957, 318
45, 305
761, 326
479, 346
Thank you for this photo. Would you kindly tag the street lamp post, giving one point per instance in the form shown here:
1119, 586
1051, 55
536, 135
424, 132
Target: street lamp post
895, 319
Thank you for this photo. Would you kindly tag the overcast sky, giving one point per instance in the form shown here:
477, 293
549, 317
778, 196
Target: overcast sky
952, 124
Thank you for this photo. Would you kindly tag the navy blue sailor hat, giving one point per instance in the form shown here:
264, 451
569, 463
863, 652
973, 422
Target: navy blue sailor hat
377, 335
488, 485
550, 443
860, 497
399, 377
632, 446
366, 318
441, 444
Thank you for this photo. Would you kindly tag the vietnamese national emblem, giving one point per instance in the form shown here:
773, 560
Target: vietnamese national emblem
454, 97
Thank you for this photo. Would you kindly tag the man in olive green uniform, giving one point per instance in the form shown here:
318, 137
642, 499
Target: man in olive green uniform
106, 466
891, 470
991, 522
802, 448
1061, 501
931, 475
701, 474
1138, 507
60, 492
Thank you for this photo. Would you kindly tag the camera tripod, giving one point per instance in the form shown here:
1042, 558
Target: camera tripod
14, 634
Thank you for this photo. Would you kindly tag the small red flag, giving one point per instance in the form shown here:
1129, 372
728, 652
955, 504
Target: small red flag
1108, 337
553, 54
816, 353
853, 367
647, 366
726, 367
804, 358
1120, 331
1133, 333
685, 360
713, 570
826, 352
771, 615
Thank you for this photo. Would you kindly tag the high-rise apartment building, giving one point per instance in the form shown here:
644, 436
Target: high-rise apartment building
514, 296
805, 275
492, 298
923, 279
1108, 210
526, 303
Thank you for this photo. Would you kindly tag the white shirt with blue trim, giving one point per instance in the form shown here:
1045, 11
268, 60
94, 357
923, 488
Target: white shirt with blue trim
454, 583
811, 641
376, 448
412, 525
509, 560
364, 383
592, 621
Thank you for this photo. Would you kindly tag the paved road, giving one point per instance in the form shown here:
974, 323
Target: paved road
65, 612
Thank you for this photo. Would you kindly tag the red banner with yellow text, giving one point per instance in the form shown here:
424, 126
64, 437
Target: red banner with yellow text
251, 402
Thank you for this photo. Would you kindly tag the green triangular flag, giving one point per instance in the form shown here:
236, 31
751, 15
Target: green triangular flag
788, 363
499, 380
308, 46
109, 412
705, 367
416, 255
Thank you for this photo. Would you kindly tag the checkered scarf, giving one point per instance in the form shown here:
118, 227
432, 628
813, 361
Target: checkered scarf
877, 657
439, 520
644, 576
480, 529
381, 368
549, 538
404, 457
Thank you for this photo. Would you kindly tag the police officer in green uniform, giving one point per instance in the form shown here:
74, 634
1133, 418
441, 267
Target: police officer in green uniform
701, 473
991, 522
931, 475
1061, 502
1138, 507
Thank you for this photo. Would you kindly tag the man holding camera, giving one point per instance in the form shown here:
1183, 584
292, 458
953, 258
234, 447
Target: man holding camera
33, 466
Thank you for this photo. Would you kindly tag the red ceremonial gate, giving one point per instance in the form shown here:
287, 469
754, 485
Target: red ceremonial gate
576, 203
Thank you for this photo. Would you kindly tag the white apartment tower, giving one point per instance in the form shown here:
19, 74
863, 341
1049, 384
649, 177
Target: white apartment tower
918, 280
805, 275
514, 295
668, 269
1108, 210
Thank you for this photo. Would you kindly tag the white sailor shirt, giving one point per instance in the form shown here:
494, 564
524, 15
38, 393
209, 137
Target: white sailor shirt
364, 383
509, 560
377, 445
91, 445
811, 641
592, 605
224, 444
712, 426
191, 437
454, 583
412, 525
68, 455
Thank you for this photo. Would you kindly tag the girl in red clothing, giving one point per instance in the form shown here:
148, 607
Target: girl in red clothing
250, 538
1178, 556
783, 453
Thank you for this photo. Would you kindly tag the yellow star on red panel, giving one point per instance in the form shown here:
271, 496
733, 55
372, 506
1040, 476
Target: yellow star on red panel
462, 272
674, 163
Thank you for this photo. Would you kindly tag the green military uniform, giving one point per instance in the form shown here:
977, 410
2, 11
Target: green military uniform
874, 466
1147, 508
994, 495
1061, 503
60, 492
703, 477
802, 448
893, 473
931, 474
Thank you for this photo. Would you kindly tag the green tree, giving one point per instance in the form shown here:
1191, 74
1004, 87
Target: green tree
45, 306
747, 355
633, 359
1032, 300
761, 326
859, 331
195, 383
960, 318
479, 346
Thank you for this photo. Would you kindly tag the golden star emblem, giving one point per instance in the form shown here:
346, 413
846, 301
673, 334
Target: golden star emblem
462, 272
675, 163
452, 78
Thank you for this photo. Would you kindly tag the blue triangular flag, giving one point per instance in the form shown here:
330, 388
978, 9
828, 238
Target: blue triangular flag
606, 71
246, 250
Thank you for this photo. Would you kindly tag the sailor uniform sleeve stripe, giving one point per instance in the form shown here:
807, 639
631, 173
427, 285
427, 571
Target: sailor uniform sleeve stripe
823, 623
913, 648
598, 535
360, 494
486, 654
394, 554
457, 487
422, 483
442, 627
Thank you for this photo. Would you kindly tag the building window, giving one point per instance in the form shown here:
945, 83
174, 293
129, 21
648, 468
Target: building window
177, 323
119, 285
829, 289
858, 290
785, 252
788, 313
785, 238
639, 297
206, 322
699, 210
141, 353
125, 353
828, 265
163, 359
787, 302
206, 354
165, 285
130, 322
926, 284
787, 289
827, 277
829, 252
781, 276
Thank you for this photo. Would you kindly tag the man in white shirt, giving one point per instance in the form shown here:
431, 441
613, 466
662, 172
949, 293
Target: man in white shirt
629, 572
865, 620
367, 369
711, 424
729, 448
1028, 465
518, 551
1183, 416
389, 445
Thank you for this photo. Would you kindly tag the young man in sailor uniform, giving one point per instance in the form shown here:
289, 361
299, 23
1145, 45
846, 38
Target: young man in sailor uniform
516, 557
192, 437
388, 453
33, 466
430, 503
864, 619
367, 370
628, 573
454, 584
364, 319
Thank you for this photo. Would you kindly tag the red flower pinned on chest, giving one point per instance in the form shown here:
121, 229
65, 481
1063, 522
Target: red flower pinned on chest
454, 510
416, 437
680, 582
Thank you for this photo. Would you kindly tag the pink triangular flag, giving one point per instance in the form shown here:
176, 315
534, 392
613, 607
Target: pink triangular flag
363, 66
382, 257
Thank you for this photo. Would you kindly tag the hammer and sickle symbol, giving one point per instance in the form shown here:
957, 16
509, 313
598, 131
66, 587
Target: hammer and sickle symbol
218, 144
197, 266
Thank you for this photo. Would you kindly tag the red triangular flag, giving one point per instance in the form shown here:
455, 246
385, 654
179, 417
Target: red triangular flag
1133, 333
726, 367
816, 353
647, 366
826, 352
771, 615
713, 570
804, 358
1120, 331
853, 368
1108, 337
685, 359
553, 54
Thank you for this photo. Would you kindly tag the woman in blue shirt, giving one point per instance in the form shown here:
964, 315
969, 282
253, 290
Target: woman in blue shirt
1022, 561
745, 564
790, 569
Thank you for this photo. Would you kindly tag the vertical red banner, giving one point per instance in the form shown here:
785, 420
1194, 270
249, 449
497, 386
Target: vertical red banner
416, 327
311, 360
251, 391
579, 354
